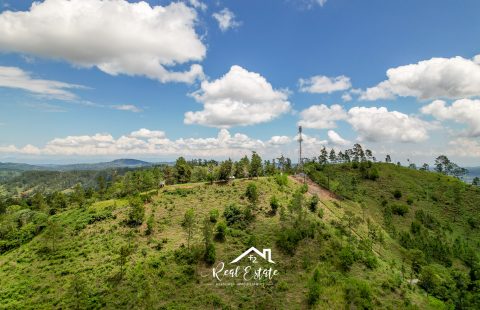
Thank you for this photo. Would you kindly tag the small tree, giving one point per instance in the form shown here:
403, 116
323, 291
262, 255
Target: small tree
388, 159
53, 233
136, 214
476, 181
221, 231
274, 204
225, 170
313, 203
189, 225
256, 165
150, 224
252, 193
122, 259
183, 171
207, 229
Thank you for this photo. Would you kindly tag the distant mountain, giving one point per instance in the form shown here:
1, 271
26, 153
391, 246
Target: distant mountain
118, 163
19, 167
472, 173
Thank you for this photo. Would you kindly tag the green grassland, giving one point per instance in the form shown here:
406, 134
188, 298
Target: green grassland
353, 252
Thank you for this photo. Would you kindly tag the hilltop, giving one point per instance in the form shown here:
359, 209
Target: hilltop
360, 235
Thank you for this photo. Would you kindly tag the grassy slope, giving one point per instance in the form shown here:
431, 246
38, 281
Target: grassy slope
153, 278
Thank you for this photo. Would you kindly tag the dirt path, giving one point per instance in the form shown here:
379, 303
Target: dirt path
314, 188
324, 194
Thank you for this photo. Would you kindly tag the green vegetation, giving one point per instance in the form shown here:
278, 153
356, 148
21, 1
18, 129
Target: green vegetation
383, 237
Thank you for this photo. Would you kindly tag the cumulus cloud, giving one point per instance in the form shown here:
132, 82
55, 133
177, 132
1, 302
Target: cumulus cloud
116, 36
226, 19
13, 77
466, 111
279, 140
336, 139
324, 84
322, 116
380, 125
238, 98
464, 147
126, 107
146, 142
453, 78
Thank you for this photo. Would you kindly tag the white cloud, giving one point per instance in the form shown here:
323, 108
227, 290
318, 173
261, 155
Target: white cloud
146, 142
380, 125
455, 77
465, 111
198, 4
464, 147
13, 77
346, 97
324, 84
322, 116
127, 107
279, 140
238, 98
226, 19
116, 36
146, 133
336, 139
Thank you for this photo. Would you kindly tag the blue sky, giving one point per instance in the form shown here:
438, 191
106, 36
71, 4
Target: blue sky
273, 44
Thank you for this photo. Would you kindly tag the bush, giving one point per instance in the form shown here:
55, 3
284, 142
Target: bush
347, 258
314, 288
397, 194
252, 193
304, 188
233, 215
209, 255
221, 231
358, 295
320, 213
409, 201
399, 209
274, 204
214, 215
150, 223
281, 179
313, 203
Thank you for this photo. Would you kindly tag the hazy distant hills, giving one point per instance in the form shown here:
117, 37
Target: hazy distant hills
118, 163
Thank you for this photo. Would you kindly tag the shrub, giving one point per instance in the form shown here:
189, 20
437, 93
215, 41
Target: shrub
281, 179
221, 231
214, 215
150, 223
274, 204
399, 209
409, 201
314, 288
209, 255
252, 193
373, 174
320, 213
397, 194
233, 215
313, 203
347, 258
358, 295
304, 188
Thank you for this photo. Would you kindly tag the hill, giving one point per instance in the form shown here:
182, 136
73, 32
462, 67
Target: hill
405, 239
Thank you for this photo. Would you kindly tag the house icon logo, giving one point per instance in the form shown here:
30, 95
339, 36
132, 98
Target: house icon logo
266, 255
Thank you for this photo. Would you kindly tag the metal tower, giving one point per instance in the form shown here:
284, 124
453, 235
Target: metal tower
300, 139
